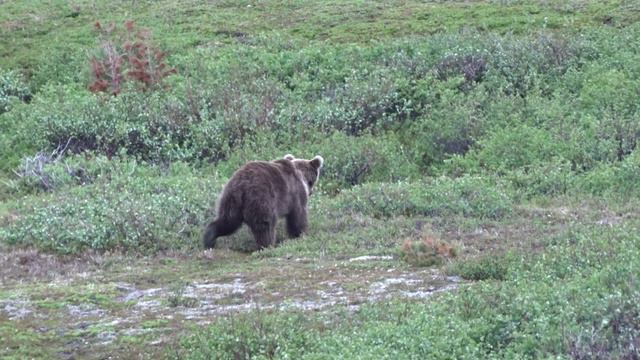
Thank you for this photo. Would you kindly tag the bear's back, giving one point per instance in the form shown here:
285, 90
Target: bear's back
264, 176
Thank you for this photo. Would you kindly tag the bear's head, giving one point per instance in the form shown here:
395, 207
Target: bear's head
309, 169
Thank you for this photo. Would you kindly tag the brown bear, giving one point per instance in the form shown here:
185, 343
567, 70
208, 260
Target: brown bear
259, 193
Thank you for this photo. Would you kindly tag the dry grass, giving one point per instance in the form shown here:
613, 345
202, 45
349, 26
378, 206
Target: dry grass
428, 250
30, 264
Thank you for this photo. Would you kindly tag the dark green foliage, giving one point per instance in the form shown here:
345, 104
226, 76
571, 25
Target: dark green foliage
513, 148
621, 178
437, 131
441, 96
522, 66
145, 126
471, 67
614, 333
352, 161
608, 96
489, 267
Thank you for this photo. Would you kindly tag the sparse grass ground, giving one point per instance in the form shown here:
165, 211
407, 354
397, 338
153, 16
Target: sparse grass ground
119, 305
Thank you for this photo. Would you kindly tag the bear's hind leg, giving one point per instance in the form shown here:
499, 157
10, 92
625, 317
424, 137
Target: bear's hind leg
264, 232
297, 222
217, 228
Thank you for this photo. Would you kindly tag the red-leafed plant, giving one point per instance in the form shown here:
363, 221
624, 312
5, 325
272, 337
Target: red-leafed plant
127, 56
426, 251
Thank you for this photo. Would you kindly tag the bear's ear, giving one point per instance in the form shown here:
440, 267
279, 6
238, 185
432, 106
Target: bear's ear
317, 162
289, 157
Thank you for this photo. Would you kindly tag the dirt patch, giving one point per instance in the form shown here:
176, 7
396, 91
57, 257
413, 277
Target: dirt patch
30, 264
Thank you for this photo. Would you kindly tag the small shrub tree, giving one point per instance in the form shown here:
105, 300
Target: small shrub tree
127, 56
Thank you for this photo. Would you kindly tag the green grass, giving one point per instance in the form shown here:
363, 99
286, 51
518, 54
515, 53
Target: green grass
506, 130
31, 30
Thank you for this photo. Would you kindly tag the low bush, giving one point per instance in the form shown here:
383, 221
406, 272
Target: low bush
531, 160
488, 267
464, 196
435, 132
514, 148
472, 67
263, 337
619, 179
553, 178
367, 100
55, 171
607, 96
13, 88
351, 161
147, 126
138, 210
519, 66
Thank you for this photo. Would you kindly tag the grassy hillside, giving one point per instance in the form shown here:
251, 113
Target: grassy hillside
479, 198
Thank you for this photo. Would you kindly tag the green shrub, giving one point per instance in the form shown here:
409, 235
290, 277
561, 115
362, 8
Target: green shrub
487, 267
254, 337
13, 88
513, 148
616, 334
607, 95
148, 126
366, 100
464, 196
14, 142
45, 172
471, 66
139, 209
576, 131
620, 178
552, 178
518, 66
437, 132
353, 161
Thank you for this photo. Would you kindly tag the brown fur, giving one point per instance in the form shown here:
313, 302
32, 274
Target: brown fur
259, 193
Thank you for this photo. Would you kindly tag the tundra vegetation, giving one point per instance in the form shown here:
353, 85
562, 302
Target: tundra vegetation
479, 197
